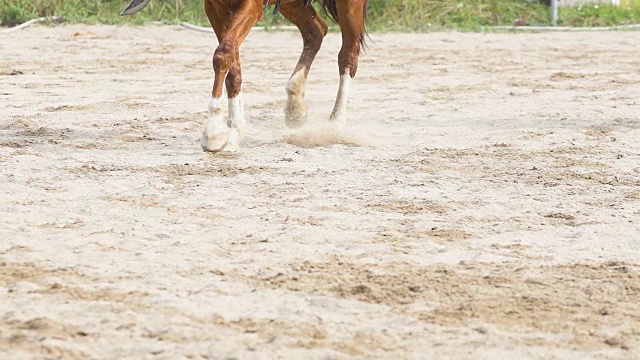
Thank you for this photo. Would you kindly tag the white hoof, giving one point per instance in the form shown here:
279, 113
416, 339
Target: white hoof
233, 143
295, 113
215, 139
216, 132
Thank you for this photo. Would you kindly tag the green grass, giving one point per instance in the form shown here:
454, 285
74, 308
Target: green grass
100, 11
384, 15
13, 12
424, 15
599, 15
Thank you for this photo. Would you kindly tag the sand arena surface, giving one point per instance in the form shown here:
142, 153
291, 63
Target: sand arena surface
484, 202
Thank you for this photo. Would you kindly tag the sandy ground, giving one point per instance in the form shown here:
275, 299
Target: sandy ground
483, 203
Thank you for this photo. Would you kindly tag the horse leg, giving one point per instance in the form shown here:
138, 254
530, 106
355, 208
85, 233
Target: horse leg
351, 18
231, 25
236, 106
313, 29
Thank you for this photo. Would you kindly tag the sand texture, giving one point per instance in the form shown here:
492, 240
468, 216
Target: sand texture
483, 201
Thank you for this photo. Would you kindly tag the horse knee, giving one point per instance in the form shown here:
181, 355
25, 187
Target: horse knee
321, 30
223, 57
348, 58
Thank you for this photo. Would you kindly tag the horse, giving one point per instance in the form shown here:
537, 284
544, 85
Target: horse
232, 20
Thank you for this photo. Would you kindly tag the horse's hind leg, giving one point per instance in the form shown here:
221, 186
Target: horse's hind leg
313, 29
351, 18
231, 26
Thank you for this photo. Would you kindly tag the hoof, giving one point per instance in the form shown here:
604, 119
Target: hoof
214, 141
233, 143
295, 114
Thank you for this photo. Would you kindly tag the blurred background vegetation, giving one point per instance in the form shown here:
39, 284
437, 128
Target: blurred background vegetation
384, 15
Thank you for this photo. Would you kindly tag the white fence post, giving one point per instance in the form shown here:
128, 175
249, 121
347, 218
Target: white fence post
554, 12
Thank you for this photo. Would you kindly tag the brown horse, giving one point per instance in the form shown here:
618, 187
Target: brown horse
233, 19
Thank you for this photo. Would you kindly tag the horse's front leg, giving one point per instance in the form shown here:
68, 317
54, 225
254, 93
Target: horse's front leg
231, 27
351, 17
313, 29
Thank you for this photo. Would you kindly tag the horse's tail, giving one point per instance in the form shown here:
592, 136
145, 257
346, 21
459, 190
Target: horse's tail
330, 8
134, 7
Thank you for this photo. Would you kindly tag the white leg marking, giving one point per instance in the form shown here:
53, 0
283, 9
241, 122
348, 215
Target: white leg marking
216, 131
296, 109
339, 113
236, 122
